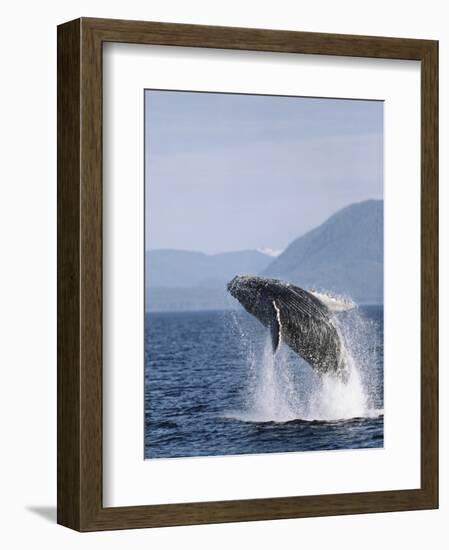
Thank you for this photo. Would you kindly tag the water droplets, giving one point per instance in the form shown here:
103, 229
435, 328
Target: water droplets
282, 387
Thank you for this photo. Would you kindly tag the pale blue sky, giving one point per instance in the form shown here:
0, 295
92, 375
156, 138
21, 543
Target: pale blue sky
231, 172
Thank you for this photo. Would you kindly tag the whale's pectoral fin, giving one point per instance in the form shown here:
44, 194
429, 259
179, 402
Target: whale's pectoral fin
275, 327
275, 334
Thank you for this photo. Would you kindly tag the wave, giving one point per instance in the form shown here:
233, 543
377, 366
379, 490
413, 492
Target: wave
251, 418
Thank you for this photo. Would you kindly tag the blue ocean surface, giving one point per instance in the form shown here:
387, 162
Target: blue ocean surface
214, 387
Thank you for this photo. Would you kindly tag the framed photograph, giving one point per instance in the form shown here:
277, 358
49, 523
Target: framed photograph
247, 274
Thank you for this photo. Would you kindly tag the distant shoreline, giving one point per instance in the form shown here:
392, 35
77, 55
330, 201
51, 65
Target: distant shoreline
223, 310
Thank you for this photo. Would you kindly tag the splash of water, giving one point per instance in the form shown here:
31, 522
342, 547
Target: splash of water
282, 387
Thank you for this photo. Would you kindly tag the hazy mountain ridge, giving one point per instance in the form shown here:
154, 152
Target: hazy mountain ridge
343, 255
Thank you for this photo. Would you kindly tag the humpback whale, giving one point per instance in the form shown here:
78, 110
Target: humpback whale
301, 319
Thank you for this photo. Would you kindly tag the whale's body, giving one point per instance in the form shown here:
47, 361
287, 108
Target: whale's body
297, 317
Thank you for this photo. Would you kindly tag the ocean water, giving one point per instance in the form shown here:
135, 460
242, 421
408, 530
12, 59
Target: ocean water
214, 387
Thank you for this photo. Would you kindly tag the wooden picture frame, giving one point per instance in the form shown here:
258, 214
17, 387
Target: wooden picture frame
80, 503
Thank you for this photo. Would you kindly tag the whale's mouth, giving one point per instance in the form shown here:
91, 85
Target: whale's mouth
247, 290
241, 285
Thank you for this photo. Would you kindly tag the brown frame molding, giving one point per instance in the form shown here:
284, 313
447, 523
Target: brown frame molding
80, 274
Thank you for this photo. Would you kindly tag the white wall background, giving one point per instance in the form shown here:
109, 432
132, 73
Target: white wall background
28, 274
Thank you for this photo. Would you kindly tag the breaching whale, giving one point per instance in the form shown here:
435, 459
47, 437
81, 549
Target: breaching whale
297, 317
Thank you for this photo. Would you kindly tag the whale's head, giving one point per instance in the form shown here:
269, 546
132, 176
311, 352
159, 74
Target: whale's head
254, 293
